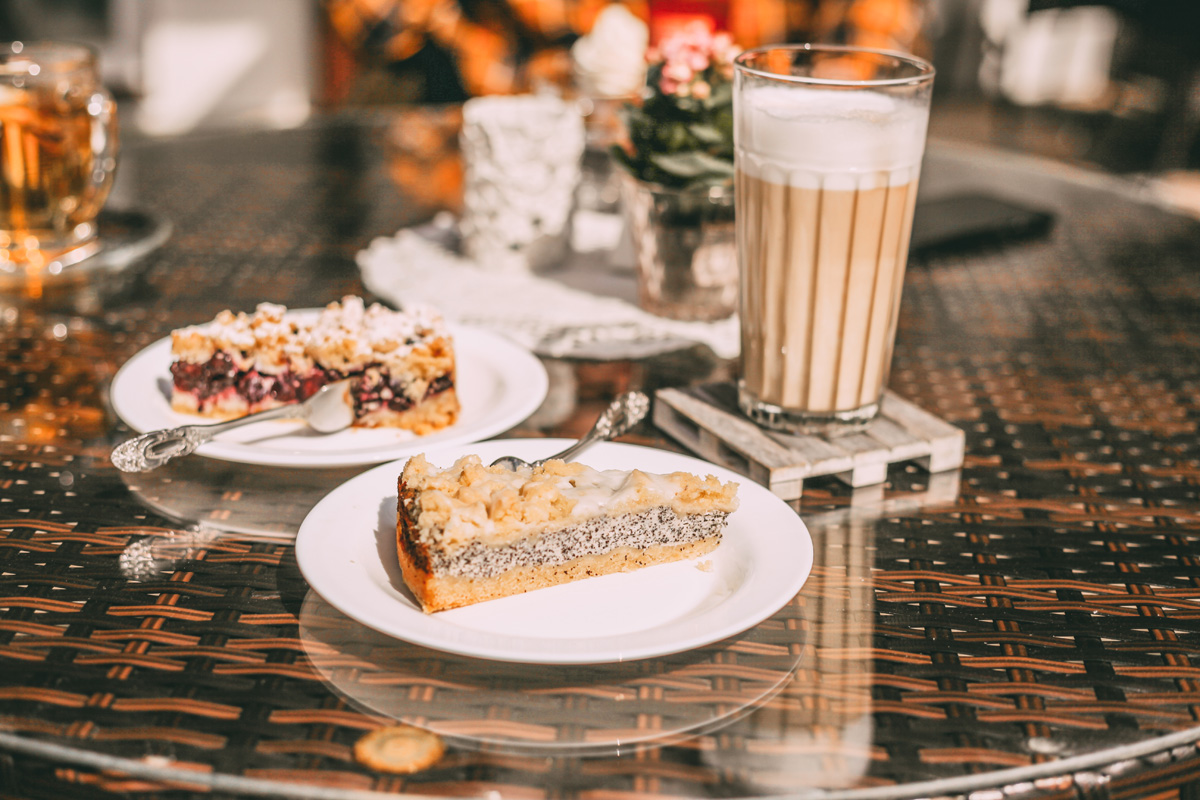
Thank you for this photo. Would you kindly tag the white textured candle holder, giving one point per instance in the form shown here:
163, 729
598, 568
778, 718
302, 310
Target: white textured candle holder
522, 157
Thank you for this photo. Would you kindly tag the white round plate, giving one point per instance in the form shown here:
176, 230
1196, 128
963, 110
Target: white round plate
346, 550
499, 385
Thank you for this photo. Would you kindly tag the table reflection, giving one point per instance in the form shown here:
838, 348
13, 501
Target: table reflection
240, 498
596, 709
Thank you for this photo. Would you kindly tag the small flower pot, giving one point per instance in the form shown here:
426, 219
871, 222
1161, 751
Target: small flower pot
685, 252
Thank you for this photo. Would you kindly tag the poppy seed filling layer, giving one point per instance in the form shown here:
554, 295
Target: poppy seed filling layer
655, 526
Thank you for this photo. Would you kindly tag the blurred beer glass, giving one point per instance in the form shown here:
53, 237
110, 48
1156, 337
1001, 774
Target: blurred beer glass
828, 144
58, 148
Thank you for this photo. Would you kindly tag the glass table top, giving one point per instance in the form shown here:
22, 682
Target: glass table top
1026, 623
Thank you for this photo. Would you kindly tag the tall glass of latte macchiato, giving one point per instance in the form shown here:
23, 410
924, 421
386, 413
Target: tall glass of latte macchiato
58, 146
828, 143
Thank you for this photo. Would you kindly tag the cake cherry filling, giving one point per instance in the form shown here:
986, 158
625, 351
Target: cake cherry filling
375, 388
219, 374
204, 380
378, 390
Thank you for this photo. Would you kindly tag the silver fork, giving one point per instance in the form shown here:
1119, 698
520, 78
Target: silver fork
326, 411
621, 415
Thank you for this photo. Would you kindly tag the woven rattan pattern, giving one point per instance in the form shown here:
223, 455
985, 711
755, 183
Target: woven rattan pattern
1045, 608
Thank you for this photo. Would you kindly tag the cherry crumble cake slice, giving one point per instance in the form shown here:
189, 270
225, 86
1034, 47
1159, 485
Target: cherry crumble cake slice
402, 363
470, 532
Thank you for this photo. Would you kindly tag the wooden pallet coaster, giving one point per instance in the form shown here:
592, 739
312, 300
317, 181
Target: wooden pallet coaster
706, 420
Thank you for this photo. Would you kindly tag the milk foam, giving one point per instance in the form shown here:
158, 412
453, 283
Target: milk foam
832, 139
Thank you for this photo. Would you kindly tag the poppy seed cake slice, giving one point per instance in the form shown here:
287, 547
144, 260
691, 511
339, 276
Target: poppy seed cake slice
471, 532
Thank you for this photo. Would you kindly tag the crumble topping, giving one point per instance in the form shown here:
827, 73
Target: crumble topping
264, 340
470, 502
346, 336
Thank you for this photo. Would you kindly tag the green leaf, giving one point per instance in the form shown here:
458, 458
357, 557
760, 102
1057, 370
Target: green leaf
713, 165
708, 134
690, 165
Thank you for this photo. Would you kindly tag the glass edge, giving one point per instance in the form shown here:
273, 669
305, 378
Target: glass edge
81, 56
1109, 757
926, 76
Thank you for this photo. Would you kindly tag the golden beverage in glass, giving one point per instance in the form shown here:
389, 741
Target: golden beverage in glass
828, 144
58, 146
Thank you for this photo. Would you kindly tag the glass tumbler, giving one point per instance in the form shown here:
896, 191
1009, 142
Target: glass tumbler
828, 143
58, 154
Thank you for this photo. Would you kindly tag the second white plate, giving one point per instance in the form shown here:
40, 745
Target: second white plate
499, 385
346, 550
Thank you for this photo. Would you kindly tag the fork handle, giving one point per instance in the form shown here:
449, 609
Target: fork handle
152, 450
622, 414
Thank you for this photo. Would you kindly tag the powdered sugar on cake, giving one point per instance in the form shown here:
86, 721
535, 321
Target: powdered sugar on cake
265, 340
350, 335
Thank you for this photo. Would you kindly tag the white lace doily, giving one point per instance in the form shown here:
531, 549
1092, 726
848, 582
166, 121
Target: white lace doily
583, 310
